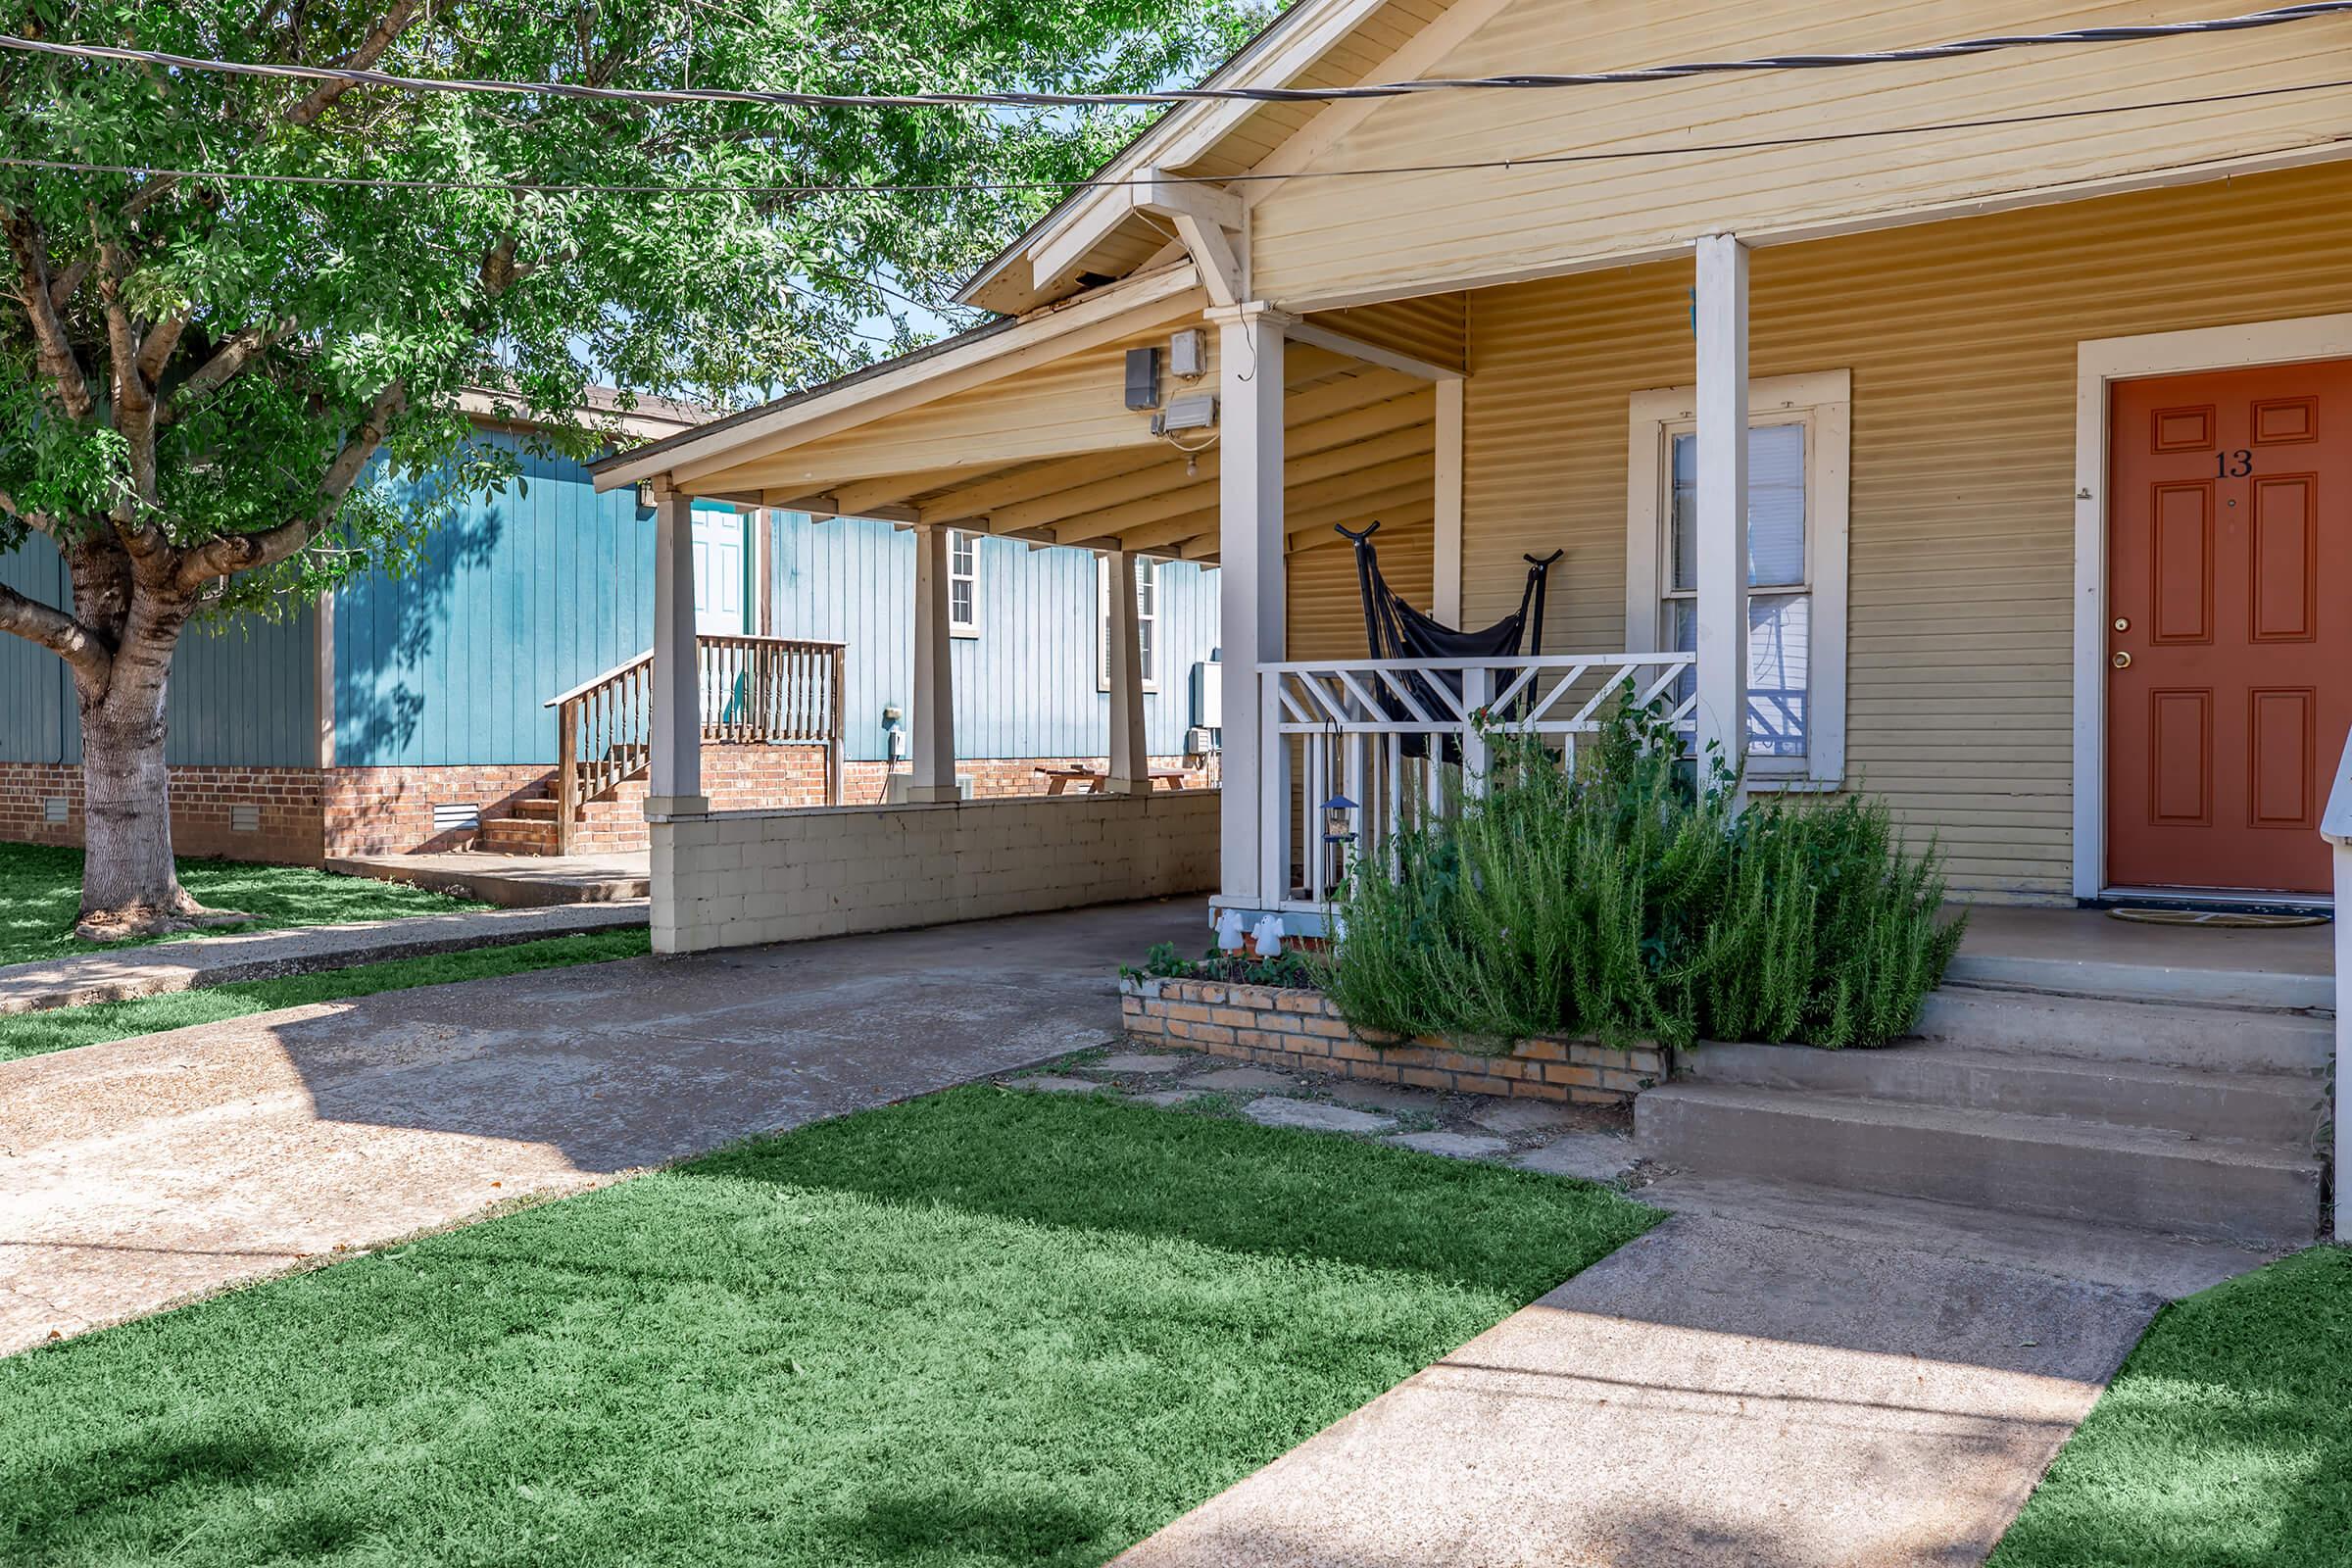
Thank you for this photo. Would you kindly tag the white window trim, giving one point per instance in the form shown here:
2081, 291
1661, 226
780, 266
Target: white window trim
2099, 363
1826, 399
1102, 621
970, 627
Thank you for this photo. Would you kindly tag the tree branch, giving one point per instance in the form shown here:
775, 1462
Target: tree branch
56, 631
249, 552
237, 351
39, 522
54, 344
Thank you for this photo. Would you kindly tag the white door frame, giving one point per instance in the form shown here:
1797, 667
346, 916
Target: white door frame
2098, 364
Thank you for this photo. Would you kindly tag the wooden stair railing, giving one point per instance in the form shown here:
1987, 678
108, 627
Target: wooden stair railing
780, 691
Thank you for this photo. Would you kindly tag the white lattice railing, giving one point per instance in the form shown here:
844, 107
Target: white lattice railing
2336, 827
1352, 728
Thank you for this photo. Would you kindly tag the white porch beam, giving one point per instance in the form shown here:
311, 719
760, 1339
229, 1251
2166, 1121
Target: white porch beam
1721, 522
934, 726
1446, 560
1355, 348
1254, 867
1130, 770
676, 788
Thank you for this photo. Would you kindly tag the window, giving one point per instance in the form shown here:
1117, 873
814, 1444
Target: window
963, 583
1146, 619
1797, 522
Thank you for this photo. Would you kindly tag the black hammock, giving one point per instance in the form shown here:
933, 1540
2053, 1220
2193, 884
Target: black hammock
1395, 629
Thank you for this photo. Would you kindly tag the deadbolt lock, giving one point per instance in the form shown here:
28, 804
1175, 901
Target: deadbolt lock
2123, 660
2123, 624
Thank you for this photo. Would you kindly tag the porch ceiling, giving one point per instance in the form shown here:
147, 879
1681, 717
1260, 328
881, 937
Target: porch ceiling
1358, 436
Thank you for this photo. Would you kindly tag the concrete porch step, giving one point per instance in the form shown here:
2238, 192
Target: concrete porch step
2265, 1107
2115, 1028
2063, 1167
2110, 980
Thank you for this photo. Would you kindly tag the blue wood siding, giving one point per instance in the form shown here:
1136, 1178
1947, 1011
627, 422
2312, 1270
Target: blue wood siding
1025, 686
243, 693
523, 594
544, 585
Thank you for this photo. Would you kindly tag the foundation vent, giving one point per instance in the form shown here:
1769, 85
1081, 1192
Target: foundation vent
52, 809
456, 816
244, 819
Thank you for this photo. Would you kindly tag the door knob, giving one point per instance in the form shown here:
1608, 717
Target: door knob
2123, 660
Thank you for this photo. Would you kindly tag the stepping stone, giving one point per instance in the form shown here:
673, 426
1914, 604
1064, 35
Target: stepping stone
1050, 1083
1239, 1080
1593, 1156
1387, 1096
1169, 1098
1315, 1117
1453, 1145
1510, 1116
1134, 1062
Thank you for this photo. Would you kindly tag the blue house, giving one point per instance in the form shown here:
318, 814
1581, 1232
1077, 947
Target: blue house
497, 695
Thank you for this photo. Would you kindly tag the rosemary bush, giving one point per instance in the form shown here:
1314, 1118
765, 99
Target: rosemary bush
1622, 901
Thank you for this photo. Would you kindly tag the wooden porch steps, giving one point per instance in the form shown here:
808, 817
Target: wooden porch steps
2181, 1117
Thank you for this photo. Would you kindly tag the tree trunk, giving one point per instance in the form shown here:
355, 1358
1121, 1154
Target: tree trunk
128, 885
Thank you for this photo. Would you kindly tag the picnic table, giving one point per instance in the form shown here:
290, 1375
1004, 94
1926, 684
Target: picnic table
1059, 779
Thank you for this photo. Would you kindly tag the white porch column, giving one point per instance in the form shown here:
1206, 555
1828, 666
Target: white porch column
1721, 522
676, 788
1445, 563
934, 738
1250, 596
1130, 772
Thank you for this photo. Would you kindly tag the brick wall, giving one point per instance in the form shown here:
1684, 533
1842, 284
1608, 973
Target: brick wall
1287, 1027
286, 810
1000, 777
734, 879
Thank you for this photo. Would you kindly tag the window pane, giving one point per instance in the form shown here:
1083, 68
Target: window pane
1776, 507
1775, 504
1151, 667
960, 601
1779, 630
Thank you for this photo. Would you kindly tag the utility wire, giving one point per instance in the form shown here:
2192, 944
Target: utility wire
943, 187
1057, 100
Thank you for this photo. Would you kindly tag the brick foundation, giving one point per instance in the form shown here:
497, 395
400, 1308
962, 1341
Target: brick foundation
1288, 1027
307, 814
287, 812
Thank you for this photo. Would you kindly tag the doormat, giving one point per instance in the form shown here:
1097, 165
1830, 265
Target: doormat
2234, 918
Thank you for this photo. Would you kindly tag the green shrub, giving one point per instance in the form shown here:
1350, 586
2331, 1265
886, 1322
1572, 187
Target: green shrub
1620, 899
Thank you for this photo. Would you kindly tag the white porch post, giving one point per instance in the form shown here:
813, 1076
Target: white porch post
676, 788
1256, 868
1130, 772
1722, 521
934, 760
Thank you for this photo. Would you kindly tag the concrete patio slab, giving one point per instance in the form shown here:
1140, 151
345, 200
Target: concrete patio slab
169, 966
142, 1171
1715, 1393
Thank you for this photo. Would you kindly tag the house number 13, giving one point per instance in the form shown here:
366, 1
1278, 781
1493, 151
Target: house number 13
2232, 465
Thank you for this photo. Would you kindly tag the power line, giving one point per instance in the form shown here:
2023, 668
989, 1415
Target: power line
944, 187
2131, 33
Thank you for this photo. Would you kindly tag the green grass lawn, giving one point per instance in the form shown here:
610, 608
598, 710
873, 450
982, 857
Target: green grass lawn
29, 1033
2226, 1442
982, 1327
40, 894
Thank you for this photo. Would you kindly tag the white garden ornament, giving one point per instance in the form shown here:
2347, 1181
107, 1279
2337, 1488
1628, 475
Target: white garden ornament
1230, 933
1266, 940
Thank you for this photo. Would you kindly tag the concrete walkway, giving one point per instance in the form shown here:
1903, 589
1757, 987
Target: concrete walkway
1717, 1392
199, 961
512, 881
136, 1173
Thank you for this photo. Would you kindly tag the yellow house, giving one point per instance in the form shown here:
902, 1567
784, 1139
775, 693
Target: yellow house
2020, 382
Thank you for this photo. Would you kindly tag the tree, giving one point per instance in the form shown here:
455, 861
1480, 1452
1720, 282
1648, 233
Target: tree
208, 383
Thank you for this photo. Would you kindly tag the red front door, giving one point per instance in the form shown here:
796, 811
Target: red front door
2230, 626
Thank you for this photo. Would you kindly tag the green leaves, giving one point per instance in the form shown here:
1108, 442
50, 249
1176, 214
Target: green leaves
482, 268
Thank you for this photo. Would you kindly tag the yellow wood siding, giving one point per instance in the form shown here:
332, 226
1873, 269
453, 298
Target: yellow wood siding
1322, 241
1326, 612
1961, 337
1431, 328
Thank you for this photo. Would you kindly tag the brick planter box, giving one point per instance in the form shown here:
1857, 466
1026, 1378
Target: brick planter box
1286, 1027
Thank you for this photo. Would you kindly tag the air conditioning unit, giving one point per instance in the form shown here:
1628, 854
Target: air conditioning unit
1208, 695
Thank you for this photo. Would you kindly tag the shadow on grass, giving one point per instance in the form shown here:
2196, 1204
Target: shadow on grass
913, 1529
1096, 1164
57, 1513
2225, 1441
